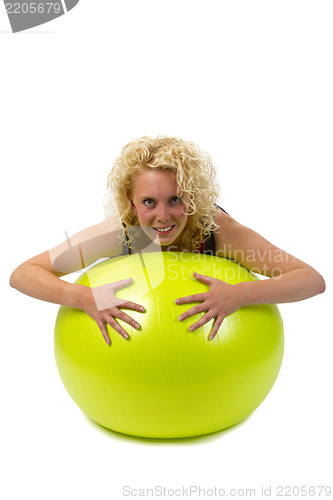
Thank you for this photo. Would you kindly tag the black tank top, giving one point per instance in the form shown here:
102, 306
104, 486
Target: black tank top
208, 246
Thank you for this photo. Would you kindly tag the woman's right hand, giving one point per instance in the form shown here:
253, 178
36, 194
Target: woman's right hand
101, 304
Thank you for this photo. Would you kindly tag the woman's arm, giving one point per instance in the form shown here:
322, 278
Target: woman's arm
39, 277
290, 278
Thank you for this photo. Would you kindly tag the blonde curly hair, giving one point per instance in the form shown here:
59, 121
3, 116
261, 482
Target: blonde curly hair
195, 176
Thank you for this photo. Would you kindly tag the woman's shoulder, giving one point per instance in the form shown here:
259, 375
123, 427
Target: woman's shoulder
85, 247
227, 228
223, 220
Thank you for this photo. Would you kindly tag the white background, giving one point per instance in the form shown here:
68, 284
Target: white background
249, 81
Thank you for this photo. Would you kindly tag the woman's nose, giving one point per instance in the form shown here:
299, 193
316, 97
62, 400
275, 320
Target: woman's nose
163, 214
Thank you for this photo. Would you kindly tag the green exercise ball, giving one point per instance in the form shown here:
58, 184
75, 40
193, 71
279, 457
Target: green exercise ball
166, 382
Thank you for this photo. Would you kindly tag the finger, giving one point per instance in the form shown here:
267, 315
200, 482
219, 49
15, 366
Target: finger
198, 297
132, 305
191, 312
115, 325
102, 327
203, 278
202, 321
117, 285
215, 329
125, 317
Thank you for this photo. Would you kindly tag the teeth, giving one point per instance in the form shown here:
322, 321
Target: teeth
164, 230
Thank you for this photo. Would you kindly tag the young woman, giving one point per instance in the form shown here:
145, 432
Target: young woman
162, 197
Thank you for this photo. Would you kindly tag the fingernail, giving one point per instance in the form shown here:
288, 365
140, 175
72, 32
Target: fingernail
191, 328
137, 326
108, 341
211, 337
181, 318
142, 309
126, 336
177, 301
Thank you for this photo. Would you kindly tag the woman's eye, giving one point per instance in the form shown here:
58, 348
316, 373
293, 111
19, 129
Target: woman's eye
150, 203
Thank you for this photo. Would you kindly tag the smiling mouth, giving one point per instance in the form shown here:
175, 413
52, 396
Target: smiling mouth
164, 230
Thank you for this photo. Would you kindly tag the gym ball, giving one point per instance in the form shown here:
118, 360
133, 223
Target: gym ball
164, 381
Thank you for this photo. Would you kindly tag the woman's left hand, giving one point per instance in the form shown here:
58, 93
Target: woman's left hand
221, 300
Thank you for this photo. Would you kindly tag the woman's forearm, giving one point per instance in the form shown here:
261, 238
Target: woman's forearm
38, 282
292, 286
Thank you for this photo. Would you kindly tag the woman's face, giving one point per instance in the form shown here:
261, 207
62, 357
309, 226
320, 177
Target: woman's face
158, 206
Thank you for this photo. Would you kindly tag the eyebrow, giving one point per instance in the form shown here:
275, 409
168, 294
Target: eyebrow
152, 197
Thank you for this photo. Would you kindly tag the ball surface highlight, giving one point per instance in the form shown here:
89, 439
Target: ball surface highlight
166, 382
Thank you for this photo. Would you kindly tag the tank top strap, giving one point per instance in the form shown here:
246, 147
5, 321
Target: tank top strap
208, 246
